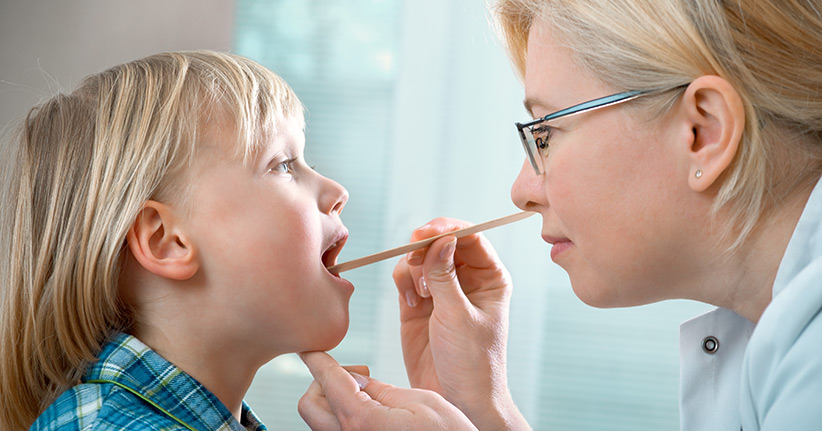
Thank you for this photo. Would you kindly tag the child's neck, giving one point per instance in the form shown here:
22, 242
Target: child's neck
222, 369
171, 319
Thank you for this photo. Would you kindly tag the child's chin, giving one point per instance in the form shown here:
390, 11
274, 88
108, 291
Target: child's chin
330, 338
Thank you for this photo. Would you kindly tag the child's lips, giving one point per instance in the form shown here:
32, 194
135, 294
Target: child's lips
329, 257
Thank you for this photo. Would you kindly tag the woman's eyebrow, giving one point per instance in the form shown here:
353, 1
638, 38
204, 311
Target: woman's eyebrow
531, 102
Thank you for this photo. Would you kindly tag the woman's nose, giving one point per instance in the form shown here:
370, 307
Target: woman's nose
527, 192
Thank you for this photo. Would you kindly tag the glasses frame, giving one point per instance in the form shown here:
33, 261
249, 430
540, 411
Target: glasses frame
530, 145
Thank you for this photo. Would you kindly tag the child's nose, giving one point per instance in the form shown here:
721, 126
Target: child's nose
333, 198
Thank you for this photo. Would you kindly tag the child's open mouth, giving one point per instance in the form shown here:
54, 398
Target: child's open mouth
329, 257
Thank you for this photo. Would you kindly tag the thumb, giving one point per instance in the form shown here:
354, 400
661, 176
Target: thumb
391, 396
440, 274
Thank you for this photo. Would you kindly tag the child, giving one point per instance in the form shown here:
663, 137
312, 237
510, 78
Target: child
167, 238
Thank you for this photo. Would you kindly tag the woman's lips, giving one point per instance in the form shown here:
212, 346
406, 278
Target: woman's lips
559, 245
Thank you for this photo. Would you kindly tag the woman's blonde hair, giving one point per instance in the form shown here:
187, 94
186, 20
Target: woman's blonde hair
85, 164
769, 51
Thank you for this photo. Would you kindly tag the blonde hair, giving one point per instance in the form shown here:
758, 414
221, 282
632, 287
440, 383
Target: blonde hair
768, 51
86, 162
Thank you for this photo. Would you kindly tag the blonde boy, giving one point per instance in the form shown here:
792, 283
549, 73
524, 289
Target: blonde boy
167, 238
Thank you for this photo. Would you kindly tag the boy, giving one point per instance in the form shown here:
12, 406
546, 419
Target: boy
170, 240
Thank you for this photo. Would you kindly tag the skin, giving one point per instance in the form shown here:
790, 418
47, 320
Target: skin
340, 398
234, 277
628, 219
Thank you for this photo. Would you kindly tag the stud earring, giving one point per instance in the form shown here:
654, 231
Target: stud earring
698, 174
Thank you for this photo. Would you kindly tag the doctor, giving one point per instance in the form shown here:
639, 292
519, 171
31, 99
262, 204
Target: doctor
674, 150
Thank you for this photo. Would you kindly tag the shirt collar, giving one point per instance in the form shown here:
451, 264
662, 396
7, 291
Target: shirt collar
805, 243
130, 364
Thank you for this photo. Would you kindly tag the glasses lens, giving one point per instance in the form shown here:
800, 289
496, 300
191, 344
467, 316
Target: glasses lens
529, 144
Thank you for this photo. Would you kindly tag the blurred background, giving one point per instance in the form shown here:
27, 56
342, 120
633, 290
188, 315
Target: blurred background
410, 105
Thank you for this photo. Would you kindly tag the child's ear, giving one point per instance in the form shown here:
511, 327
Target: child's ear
716, 117
161, 245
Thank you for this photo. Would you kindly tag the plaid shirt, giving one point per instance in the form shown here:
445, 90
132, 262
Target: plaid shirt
131, 387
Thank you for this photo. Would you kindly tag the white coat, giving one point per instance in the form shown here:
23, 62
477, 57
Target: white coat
769, 376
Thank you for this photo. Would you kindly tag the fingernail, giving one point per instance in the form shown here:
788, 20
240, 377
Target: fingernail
413, 258
411, 298
362, 381
424, 288
448, 250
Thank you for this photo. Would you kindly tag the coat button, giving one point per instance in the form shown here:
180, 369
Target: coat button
710, 344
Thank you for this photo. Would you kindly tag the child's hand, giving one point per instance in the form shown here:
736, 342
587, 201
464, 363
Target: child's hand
455, 323
340, 400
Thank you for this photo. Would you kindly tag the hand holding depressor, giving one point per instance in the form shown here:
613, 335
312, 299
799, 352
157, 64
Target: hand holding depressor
454, 302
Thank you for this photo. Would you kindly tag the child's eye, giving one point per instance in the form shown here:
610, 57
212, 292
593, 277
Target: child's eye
284, 167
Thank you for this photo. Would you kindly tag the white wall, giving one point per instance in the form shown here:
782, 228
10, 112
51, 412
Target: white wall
46, 45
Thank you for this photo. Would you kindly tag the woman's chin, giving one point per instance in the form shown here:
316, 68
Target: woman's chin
610, 296
595, 296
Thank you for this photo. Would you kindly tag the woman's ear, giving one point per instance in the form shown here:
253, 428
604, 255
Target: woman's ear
716, 117
160, 245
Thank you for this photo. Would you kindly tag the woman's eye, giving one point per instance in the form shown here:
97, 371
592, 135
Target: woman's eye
542, 136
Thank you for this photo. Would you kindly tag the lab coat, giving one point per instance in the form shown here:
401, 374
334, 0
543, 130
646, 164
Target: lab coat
768, 376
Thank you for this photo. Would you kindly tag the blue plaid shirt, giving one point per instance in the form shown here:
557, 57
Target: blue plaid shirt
132, 387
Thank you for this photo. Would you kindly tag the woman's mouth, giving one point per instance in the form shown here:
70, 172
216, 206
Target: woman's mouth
559, 245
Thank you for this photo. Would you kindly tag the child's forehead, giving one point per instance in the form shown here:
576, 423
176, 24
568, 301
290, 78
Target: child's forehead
226, 140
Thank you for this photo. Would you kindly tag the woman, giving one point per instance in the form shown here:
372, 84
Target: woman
686, 167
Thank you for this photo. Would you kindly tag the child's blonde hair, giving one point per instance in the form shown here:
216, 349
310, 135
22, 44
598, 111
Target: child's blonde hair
768, 50
85, 164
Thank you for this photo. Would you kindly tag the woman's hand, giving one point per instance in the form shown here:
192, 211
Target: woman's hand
342, 398
454, 300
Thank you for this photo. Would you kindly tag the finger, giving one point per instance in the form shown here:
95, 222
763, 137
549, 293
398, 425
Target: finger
405, 284
359, 369
341, 388
313, 407
438, 226
434, 227
317, 362
392, 396
420, 287
476, 250
407, 278
335, 380
419, 283
440, 275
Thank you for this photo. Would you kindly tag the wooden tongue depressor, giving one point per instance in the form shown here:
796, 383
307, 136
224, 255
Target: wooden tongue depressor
459, 233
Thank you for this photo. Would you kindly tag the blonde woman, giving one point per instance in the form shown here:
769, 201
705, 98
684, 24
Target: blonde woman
674, 150
167, 238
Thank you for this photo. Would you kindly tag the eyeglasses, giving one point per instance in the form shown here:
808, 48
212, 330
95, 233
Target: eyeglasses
535, 134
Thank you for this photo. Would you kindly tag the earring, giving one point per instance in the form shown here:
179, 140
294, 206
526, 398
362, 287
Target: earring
698, 174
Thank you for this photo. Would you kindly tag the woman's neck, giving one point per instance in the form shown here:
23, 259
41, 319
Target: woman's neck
744, 281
